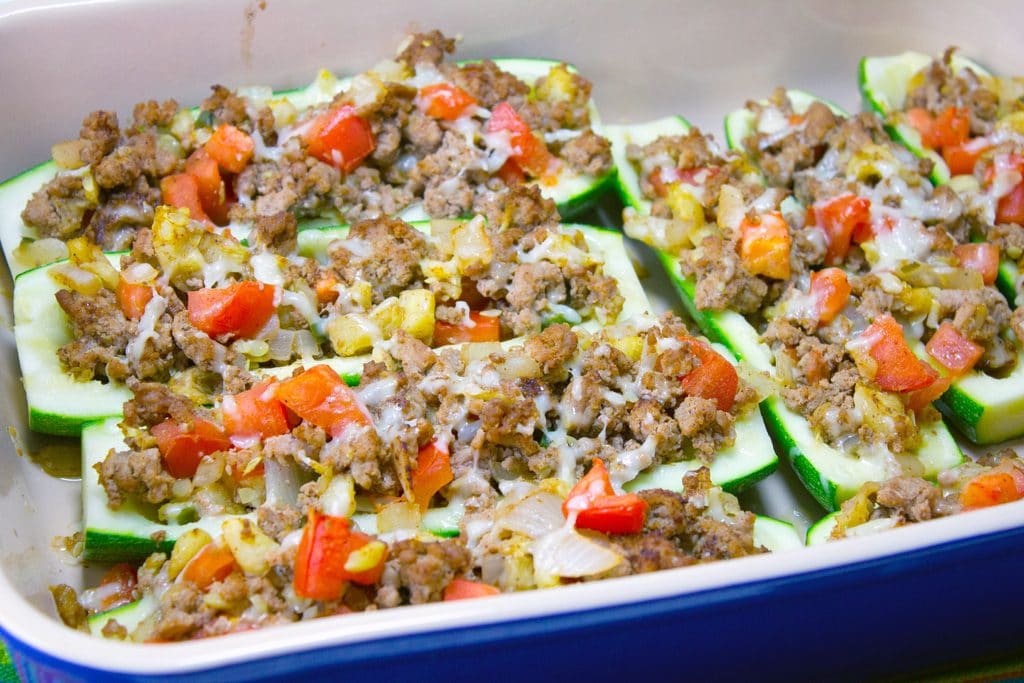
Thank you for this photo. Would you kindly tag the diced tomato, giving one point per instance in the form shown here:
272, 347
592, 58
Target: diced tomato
463, 589
182, 191
433, 471
213, 563
715, 378
951, 127
831, 290
326, 545
201, 166
320, 396
254, 413
482, 328
594, 484
991, 488
132, 298
182, 449
341, 138
445, 101
119, 582
841, 218
327, 289
898, 369
980, 256
1010, 208
955, 352
511, 174
961, 159
764, 246
231, 148
238, 310
920, 399
597, 507
528, 151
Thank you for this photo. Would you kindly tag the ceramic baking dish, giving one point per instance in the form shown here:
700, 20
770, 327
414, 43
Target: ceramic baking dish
906, 600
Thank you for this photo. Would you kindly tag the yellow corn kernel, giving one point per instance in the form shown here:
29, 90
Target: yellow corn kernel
366, 558
418, 313
250, 546
352, 334
186, 547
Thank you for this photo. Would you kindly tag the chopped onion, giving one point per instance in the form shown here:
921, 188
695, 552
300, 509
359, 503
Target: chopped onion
339, 498
283, 481
401, 514
281, 345
138, 273
211, 469
37, 252
306, 344
565, 553
77, 279
68, 154
537, 514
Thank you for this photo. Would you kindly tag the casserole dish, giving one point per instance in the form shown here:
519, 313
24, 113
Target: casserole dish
689, 620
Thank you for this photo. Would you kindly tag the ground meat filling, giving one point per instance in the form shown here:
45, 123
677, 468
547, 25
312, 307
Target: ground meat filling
797, 145
938, 87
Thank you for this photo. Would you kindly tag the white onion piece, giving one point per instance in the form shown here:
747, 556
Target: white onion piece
283, 482
281, 345
139, 273
305, 344
565, 553
536, 515
339, 499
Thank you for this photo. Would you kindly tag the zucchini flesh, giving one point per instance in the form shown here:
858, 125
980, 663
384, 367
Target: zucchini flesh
830, 475
59, 404
573, 193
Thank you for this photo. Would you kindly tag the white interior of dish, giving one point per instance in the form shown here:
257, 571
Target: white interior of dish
646, 59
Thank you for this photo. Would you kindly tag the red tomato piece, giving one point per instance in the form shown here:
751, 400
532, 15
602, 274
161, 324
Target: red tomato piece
463, 589
511, 174
327, 542
920, 399
212, 563
254, 413
715, 378
954, 352
212, 195
951, 127
341, 138
320, 396
528, 151
764, 246
980, 256
898, 369
182, 191
231, 148
433, 471
831, 290
661, 178
961, 159
445, 101
841, 218
991, 488
132, 298
622, 514
594, 484
119, 582
182, 449
1010, 208
482, 328
238, 310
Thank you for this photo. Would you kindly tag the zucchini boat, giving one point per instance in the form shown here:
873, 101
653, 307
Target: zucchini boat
647, 448
829, 474
984, 408
59, 404
572, 191
885, 83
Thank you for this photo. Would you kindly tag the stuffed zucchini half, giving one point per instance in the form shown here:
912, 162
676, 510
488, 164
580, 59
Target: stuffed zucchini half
643, 398
414, 140
966, 121
987, 408
831, 472
994, 479
369, 306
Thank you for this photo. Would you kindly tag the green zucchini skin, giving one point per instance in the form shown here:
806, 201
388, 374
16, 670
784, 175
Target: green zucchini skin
58, 404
